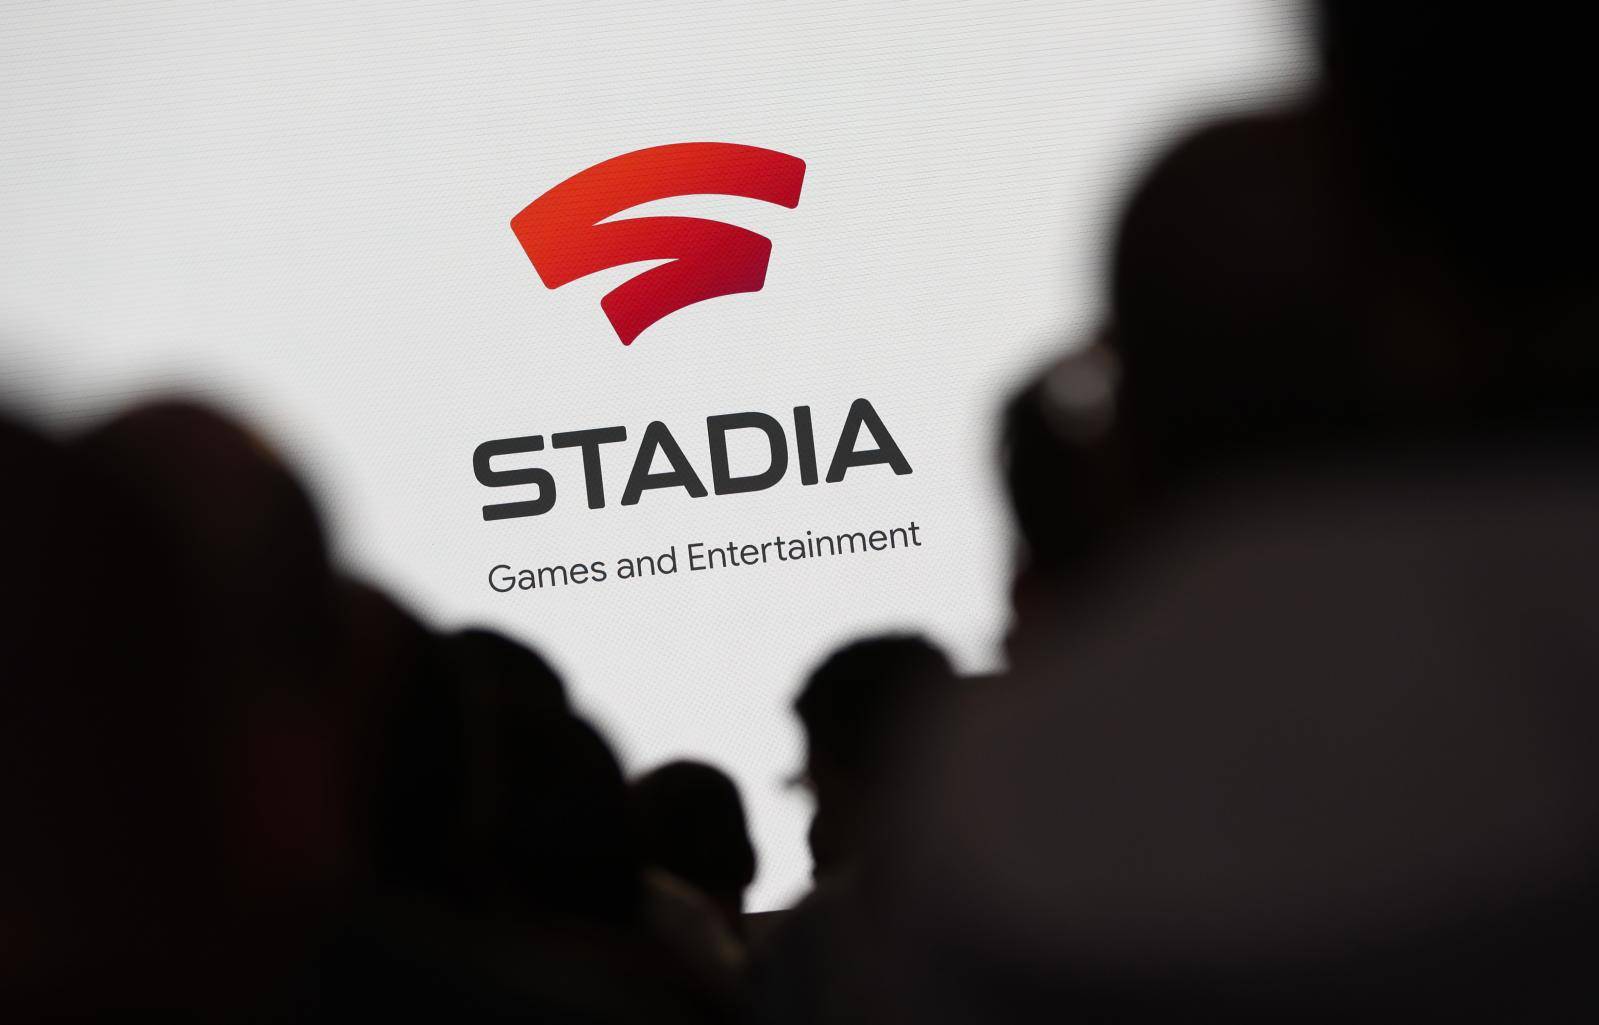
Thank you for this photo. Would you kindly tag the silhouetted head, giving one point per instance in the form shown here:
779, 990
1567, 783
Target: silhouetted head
1067, 478
1274, 302
504, 667
858, 708
691, 823
1472, 124
546, 799
493, 797
556, 813
1242, 284
255, 606
1470, 131
259, 602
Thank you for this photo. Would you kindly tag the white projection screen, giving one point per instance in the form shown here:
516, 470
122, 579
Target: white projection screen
302, 214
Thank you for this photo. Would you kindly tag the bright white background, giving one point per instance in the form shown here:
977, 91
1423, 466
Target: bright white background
300, 211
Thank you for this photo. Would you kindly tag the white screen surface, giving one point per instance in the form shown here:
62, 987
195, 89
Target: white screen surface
300, 212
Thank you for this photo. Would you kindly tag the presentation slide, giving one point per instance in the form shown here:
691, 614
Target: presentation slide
670, 339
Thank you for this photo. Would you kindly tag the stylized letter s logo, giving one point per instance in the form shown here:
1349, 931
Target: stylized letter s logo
563, 236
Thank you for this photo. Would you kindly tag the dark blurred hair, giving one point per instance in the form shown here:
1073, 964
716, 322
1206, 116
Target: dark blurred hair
855, 704
691, 823
513, 671
493, 793
1472, 121
257, 597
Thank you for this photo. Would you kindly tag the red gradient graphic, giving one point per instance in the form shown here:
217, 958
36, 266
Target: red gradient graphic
564, 237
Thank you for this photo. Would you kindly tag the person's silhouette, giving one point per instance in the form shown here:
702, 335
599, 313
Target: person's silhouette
691, 824
857, 707
699, 861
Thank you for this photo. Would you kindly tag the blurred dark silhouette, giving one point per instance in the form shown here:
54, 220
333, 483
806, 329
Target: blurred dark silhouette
506, 876
1289, 728
90, 760
696, 846
501, 666
1068, 482
857, 707
1318, 754
492, 794
691, 824
864, 710
248, 823
1469, 132
254, 791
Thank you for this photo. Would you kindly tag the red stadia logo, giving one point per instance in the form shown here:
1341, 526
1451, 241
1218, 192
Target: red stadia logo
568, 234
